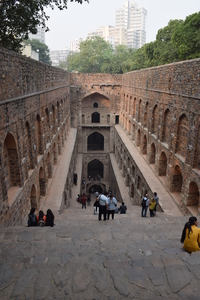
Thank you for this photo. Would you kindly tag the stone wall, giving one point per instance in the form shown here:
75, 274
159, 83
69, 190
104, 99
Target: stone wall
157, 108
160, 113
34, 123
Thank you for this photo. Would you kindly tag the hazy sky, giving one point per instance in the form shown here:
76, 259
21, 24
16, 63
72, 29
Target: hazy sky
78, 20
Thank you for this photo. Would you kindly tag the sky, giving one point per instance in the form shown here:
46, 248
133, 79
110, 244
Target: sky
80, 19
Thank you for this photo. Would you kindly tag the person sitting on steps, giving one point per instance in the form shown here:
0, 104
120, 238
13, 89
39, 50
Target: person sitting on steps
191, 235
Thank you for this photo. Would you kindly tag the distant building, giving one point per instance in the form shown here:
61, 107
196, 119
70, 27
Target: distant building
28, 52
40, 35
129, 30
74, 45
133, 18
111, 34
58, 55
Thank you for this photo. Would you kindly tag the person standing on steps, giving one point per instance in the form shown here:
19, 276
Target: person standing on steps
103, 205
112, 203
157, 201
152, 205
145, 204
83, 201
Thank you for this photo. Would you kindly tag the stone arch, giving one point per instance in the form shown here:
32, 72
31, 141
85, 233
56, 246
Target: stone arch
139, 110
182, 136
138, 183
94, 168
29, 146
162, 164
166, 127
128, 162
42, 182
33, 197
144, 145
133, 132
129, 127
48, 133
95, 117
11, 162
65, 198
54, 154
91, 188
53, 122
95, 104
193, 196
127, 179
39, 138
138, 138
196, 164
49, 165
177, 180
95, 141
123, 170
134, 107
146, 115
58, 113
59, 145
132, 190
152, 154
120, 164
155, 120
133, 171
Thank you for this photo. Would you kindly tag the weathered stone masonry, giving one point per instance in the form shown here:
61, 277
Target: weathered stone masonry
158, 109
35, 120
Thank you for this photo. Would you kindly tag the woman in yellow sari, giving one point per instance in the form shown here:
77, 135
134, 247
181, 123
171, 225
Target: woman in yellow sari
191, 236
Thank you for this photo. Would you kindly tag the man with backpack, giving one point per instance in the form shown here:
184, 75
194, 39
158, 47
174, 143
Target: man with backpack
145, 204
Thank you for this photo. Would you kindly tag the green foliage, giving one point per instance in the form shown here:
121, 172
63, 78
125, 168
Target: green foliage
43, 50
19, 17
179, 40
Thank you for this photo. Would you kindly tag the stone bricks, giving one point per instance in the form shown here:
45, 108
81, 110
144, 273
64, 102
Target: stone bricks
157, 108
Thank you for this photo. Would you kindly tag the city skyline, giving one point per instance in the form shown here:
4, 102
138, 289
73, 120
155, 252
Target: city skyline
78, 20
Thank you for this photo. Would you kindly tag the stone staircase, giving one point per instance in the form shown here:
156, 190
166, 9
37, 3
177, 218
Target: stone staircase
82, 258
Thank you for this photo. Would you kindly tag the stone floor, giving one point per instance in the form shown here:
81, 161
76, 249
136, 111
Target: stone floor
82, 258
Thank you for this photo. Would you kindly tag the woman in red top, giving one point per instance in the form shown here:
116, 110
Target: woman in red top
41, 219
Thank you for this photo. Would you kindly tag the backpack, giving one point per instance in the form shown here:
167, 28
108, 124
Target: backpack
144, 201
41, 223
32, 220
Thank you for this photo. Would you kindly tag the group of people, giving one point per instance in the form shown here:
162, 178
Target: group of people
41, 219
107, 205
83, 199
146, 203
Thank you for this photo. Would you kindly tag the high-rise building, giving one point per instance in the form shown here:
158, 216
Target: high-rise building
40, 35
113, 35
74, 45
58, 56
133, 18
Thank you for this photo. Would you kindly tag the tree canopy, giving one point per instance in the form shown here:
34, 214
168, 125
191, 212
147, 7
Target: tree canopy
179, 40
42, 49
18, 18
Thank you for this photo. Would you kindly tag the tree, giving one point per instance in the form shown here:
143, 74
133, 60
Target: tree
94, 53
43, 50
187, 37
20, 17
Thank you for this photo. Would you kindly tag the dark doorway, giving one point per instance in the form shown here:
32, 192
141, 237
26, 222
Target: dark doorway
95, 188
95, 141
95, 117
95, 167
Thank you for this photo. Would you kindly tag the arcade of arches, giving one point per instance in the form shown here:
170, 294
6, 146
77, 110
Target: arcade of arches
160, 120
